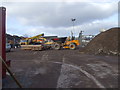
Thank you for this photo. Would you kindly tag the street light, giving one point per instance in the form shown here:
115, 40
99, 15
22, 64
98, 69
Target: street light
73, 19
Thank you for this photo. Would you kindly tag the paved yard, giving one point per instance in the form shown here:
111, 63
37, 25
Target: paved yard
62, 69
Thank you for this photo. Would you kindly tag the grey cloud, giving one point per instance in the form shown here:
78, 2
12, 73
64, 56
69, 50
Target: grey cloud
96, 27
59, 14
88, 28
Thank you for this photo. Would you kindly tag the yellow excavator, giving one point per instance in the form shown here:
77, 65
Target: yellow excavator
32, 40
33, 43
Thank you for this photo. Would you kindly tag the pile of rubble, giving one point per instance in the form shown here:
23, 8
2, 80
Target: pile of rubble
105, 43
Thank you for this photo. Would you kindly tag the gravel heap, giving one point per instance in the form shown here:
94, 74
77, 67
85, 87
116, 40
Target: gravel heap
105, 43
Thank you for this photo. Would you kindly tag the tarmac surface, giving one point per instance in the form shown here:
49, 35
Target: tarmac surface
61, 69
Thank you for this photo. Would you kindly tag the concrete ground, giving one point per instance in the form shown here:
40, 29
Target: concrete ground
61, 69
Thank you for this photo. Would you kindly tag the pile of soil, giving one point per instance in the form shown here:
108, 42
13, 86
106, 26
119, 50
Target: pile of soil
105, 43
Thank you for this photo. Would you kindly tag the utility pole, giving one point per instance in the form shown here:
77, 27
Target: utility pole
2, 40
73, 20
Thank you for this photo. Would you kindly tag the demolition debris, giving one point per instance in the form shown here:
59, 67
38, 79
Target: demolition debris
105, 43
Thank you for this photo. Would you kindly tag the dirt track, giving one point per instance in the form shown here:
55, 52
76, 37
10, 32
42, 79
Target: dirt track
62, 69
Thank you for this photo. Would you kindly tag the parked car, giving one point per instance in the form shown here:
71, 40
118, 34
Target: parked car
8, 47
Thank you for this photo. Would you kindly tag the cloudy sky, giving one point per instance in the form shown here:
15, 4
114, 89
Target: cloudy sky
33, 17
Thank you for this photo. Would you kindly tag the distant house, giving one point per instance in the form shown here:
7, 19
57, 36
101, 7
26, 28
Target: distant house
13, 40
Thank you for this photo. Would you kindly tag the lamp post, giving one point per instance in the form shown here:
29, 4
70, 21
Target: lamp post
73, 20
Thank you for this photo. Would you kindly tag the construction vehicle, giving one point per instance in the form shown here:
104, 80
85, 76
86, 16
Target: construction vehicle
65, 42
32, 40
33, 43
23, 41
40, 43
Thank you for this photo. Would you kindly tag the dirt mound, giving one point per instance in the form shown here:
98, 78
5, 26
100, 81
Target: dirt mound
105, 43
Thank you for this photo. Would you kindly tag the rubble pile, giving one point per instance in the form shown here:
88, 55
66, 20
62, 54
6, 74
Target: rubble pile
105, 43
